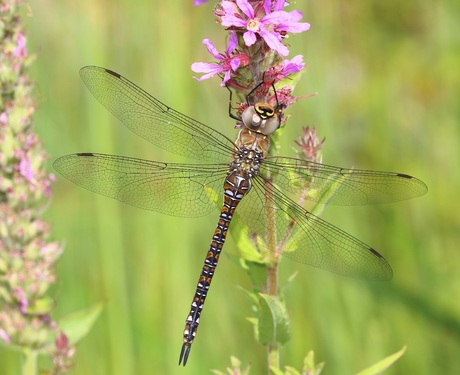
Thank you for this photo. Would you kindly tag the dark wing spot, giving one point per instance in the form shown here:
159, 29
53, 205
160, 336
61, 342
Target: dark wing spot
85, 154
112, 73
373, 251
403, 175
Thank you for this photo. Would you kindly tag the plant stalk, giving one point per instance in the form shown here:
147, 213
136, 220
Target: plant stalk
29, 366
273, 353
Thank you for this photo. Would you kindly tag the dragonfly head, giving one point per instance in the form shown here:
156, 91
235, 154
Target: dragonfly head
262, 118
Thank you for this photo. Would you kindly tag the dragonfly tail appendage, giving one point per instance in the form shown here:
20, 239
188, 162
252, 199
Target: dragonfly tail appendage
184, 352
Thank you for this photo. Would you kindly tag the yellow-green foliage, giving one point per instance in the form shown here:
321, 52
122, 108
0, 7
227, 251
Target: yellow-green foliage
388, 75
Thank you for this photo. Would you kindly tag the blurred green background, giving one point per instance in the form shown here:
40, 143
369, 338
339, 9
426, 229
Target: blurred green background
388, 77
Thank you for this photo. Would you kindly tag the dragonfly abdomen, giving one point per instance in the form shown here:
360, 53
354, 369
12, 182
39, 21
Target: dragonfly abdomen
236, 187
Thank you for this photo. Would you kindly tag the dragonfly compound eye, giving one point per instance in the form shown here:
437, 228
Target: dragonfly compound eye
261, 118
269, 125
251, 118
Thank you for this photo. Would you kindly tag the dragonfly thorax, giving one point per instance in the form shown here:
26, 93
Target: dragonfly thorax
251, 149
262, 118
247, 162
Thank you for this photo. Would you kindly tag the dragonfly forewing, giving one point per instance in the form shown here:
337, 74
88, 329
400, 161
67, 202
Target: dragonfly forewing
154, 121
174, 189
340, 186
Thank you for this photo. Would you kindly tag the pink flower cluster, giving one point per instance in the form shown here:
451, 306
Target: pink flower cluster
266, 20
27, 256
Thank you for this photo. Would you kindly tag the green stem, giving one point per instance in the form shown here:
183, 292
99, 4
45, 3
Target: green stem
272, 271
273, 348
273, 351
29, 365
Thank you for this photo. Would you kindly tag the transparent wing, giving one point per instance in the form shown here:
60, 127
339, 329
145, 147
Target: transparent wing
173, 189
340, 186
301, 236
154, 121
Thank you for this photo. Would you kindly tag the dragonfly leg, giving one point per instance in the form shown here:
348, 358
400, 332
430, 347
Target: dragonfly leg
238, 118
230, 106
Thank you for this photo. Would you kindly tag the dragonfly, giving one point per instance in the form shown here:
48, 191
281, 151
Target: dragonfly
240, 177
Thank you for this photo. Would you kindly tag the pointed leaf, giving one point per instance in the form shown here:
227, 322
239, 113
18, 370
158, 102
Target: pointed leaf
258, 274
382, 365
41, 306
254, 298
274, 324
77, 325
291, 371
248, 250
309, 366
276, 371
289, 281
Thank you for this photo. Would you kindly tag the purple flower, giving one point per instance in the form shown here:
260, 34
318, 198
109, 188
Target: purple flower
271, 27
4, 336
25, 168
290, 23
21, 297
3, 118
294, 65
279, 5
20, 50
227, 62
199, 2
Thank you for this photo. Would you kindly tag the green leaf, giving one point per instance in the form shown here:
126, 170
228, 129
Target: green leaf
255, 324
274, 324
247, 247
256, 271
382, 365
253, 297
309, 366
258, 274
234, 369
276, 371
41, 306
213, 197
289, 281
291, 371
78, 324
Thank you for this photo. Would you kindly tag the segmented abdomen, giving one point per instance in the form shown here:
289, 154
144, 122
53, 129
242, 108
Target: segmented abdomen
235, 187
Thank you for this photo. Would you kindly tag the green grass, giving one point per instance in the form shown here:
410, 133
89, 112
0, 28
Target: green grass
388, 77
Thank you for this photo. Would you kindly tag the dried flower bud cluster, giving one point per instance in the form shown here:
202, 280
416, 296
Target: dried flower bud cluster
310, 145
